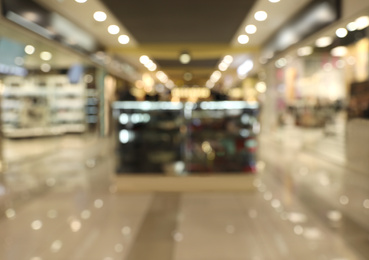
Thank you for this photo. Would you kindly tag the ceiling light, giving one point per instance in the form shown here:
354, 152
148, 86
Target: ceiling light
215, 76
305, 51
123, 39
81, 1
323, 42
187, 76
113, 29
352, 26
245, 68
223, 66
282, 62
250, 29
29, 49
339, 51
45, 67
362, 22
261, 16
45, 55
243, 39
144, 59
100, 16
152, 67
341, 32
228, 59
209, 84
261, 87
184, 58
274, 1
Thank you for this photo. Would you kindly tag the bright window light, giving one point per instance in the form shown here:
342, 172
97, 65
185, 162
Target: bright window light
123, 39
250, 29
113, 29
261, 16
100, 16
243, 39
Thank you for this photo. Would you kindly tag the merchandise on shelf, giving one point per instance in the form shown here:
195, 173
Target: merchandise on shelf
185, 138
42, 105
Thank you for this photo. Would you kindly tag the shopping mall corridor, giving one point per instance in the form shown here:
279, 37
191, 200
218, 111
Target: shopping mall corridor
65, 205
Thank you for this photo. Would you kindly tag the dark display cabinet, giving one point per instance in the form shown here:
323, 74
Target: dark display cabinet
185, 138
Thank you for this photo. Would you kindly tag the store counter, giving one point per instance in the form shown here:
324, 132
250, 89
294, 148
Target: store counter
166, 139
177, 139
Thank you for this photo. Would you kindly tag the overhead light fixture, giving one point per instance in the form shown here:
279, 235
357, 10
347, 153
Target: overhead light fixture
245, 68
113, 29
341, 33
144, 59
223, 66
352, 26
243, 39
187, 76
250, 29
305, 51
184, 57
100, 16
215, 76
123, 39
228, 59
45, 67
261, 16
81, 1
46, 56
339, 51
324, 42
282, 62
362, 22
29, 49
274, 1
261, 87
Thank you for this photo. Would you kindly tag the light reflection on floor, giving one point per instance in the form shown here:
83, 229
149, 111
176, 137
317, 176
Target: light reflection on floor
65, 206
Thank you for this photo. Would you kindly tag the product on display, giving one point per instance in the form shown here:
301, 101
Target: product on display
185, 138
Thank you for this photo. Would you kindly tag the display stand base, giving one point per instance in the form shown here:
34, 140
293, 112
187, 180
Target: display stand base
219, 182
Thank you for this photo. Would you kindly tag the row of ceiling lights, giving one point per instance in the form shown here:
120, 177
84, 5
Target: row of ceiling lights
113, 29
359, 24
151, 66
251, 28
325, 41
216, 75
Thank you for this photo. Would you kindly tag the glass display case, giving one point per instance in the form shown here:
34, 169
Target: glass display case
186, 138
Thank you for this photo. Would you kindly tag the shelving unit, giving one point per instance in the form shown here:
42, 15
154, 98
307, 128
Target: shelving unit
42, 105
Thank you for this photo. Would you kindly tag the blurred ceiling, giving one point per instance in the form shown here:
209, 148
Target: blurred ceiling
161, 29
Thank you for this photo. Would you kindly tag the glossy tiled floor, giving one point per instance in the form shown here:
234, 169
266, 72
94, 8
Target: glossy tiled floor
64, 205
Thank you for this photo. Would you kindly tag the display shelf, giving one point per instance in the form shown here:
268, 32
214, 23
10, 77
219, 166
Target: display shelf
181, 139
42, 105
